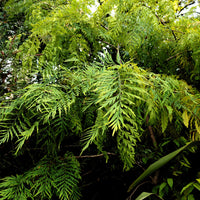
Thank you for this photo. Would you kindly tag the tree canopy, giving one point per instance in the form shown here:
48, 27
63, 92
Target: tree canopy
90, 98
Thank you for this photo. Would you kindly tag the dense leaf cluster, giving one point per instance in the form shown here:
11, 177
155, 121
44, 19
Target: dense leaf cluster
113, 82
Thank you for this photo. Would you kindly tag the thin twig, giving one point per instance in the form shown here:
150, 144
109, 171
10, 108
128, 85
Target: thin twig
152, 179
178, 31
173, 33
189, 4
129, 198
104, 27
95, 156
161, 21
39, 54
108, 44
174, 56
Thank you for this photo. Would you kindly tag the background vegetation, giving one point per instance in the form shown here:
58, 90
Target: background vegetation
89, 99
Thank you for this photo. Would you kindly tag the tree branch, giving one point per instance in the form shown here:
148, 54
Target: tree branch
94, 156
189, 4
104, 27
174, 56
108, 44
161, 21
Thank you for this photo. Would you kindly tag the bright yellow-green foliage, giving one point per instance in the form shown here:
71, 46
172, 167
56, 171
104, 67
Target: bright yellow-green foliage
150, 32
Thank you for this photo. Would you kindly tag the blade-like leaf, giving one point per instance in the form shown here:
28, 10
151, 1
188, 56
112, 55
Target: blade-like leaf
144, 195
158, 164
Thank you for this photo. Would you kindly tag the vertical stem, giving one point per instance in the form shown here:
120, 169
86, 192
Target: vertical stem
156, 176
152, 134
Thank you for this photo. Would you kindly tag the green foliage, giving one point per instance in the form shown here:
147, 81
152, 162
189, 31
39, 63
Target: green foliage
75, 77
39, 104
14, 187
116, 89
50, 177
121, 93
158, 164
186, 192
144, 195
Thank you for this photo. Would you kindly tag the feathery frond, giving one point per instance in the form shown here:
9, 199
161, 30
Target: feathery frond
50, 177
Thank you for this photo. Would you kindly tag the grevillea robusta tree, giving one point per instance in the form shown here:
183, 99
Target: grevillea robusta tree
78, 85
